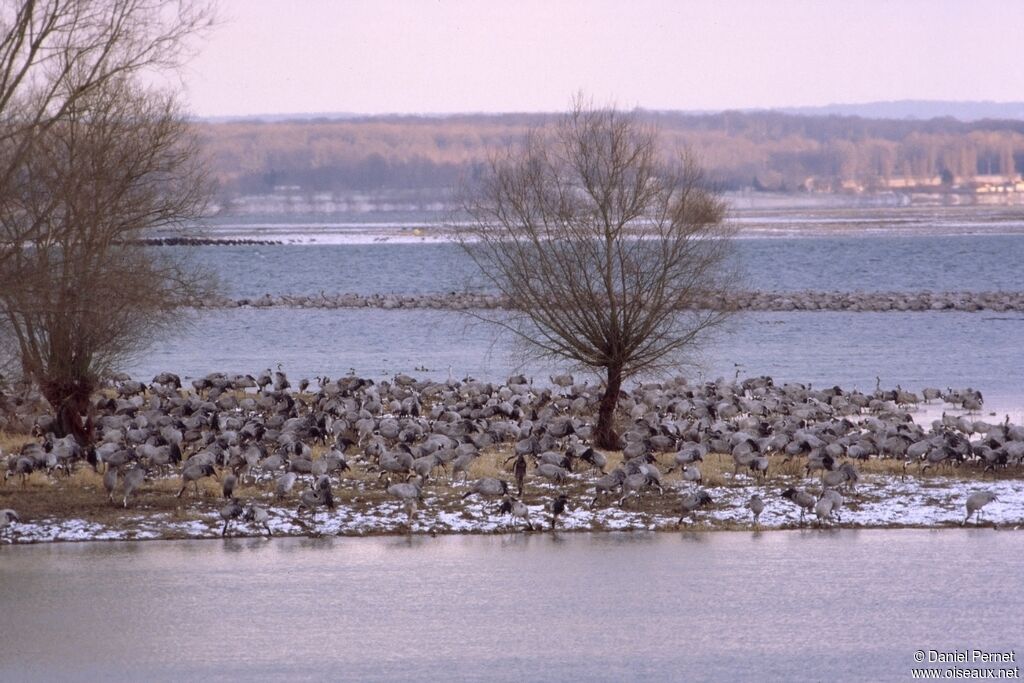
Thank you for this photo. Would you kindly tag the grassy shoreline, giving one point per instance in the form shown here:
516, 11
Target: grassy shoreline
77, 508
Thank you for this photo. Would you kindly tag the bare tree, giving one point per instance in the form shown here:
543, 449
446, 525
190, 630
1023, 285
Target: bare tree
89, 161
54, 54
600, 246
123, 161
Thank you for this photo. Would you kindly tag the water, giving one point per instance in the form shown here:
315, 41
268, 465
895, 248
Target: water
872, 249
916, 350
798, 606
887, 262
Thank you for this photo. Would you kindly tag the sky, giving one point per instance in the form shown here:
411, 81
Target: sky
443, 56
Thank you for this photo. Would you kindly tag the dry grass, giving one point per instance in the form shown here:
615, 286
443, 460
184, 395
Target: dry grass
78, 496
11, 442
717, 469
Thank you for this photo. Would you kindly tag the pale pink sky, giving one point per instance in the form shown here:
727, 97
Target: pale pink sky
429, 56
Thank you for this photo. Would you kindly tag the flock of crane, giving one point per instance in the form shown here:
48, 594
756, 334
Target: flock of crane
299, 443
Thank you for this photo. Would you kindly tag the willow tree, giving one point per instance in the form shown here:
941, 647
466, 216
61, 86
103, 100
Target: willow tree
603, 247
123, 162
90, 161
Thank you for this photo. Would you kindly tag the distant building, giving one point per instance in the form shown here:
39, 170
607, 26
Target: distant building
905, 183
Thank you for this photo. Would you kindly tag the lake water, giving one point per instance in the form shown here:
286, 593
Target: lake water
982, 350
796, 606
885, 262
872, 249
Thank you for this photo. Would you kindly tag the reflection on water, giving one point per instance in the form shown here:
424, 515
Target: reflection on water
850, 605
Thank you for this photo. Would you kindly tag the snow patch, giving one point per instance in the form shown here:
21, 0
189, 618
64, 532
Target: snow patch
876, 501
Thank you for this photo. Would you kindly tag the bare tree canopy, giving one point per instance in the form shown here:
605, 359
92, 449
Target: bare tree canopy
56, 53
598, 242
89, 161
122, 161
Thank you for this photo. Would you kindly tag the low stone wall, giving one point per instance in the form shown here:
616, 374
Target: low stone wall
204, 242
745, 301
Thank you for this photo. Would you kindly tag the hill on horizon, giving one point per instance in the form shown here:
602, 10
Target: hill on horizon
967, 110
917, 110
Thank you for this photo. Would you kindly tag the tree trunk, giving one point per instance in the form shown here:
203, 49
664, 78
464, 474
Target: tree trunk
605, 435
70, 398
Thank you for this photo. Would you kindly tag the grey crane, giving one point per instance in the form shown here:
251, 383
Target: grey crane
831, 507
756, 507
110, 482
192, 474
284, 484
488, 487
801, 499
517, 509
823, 508
689, 454
553, 473
319, 493
7, 518
634, 484
228, 486
133, 479
313, 497
975, 502
595, 459
424, 465
608, 483
410, 493
558, 506
233, 510
693, 501
554, 458
257, 514
21, 466
461, 464
845, 474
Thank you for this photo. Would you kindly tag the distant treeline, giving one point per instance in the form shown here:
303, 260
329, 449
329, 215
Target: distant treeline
762, 150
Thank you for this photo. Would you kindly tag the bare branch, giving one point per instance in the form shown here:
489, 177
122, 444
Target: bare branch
120, 163
598, 243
